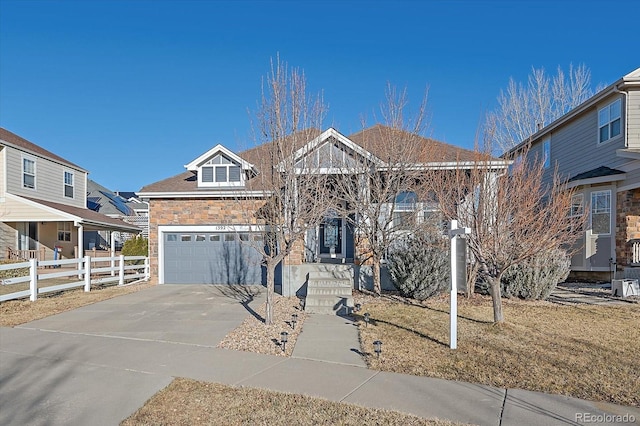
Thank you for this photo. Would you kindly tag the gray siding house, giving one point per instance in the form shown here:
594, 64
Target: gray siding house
43, 203
596, 147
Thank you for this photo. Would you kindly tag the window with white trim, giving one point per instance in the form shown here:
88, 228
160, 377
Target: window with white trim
68, 184
28, 173
64, 231
219, 171
601, 212
609, 121
577, 205
404, 210
546, 153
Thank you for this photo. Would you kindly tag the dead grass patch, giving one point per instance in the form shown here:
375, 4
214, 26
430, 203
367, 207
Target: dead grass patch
190, 402
15, 312
588, 352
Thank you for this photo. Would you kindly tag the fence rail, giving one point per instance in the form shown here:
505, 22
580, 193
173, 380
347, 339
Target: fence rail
81, 272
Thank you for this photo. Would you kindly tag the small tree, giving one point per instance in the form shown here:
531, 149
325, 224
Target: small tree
295, 196
373, 188
512, 214
136, 246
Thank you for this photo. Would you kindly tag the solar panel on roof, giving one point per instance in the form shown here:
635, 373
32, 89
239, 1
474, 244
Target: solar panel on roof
118, 202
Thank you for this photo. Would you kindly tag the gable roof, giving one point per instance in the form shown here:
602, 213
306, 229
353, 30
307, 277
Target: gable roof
219, 148
374, 139
11, 139
370, 142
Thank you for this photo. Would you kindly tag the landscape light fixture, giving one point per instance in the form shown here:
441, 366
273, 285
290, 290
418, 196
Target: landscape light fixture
357, 307
283, 340
366, 319
294, 320
377, 347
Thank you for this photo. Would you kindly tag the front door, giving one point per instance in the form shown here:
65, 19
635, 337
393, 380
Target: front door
331, 236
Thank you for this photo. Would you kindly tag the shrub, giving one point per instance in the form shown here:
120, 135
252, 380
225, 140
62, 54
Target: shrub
136, 246
536, 278
419, 266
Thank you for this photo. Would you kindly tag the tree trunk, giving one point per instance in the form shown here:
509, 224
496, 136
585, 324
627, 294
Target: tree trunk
496, 297
375, 269
271, 273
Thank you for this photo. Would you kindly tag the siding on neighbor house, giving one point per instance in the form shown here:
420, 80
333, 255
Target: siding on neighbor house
49, 180
16, 211
633, 128
575, 148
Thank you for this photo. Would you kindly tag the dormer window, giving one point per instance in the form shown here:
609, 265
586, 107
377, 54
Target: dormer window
219, 167
220, 170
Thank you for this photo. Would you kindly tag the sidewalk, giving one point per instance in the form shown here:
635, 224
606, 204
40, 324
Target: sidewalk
100, 363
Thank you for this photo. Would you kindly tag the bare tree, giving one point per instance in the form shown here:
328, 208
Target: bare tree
512, 214
377, 187
524, 109
296, 196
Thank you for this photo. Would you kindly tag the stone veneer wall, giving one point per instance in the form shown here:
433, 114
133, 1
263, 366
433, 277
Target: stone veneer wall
196, 212
627, 224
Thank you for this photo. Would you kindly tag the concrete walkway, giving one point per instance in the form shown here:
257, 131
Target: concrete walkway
100, 363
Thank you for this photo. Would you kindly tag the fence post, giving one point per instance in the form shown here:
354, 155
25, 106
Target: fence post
121, 276
87, 273
147, 269
33, 284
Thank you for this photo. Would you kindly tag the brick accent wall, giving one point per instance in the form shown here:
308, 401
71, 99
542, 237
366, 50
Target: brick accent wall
627, 224
196, 212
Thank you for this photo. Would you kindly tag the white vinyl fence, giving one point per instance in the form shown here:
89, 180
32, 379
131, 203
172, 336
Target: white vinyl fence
87, 270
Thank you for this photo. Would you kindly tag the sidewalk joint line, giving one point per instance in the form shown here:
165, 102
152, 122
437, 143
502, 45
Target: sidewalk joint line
504, 403
358, 387
259, 372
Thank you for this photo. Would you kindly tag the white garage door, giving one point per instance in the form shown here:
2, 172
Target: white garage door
212, 258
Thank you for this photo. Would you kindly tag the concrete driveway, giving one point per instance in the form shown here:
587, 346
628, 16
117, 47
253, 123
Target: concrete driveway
99, 363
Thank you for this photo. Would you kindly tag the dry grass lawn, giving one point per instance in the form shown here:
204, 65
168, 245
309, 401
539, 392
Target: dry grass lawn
189, 402
588, 352
15, 312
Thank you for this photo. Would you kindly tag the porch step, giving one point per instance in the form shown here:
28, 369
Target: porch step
330, 290
329, 305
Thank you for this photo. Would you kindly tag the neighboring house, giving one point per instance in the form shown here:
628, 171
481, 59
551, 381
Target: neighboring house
43, 203
107, 202
596, 146
199, 226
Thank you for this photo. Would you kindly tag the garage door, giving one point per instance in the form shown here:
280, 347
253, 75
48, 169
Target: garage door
212, 258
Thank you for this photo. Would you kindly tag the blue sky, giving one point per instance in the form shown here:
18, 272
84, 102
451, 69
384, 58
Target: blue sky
134, 90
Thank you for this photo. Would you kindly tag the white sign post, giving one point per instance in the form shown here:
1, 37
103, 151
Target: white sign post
453, 316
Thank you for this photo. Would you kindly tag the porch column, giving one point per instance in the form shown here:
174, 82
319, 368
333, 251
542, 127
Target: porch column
80, 251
